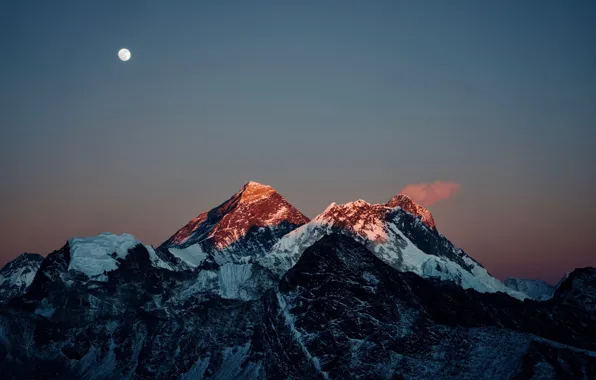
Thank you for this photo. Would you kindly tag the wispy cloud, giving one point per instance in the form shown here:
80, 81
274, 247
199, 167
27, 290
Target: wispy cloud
428, 193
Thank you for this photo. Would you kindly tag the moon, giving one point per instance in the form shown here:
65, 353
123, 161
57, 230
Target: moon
124, 54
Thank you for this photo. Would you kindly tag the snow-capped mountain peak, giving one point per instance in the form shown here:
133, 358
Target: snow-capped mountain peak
254, 191
256, 209
360, 217
405, 240
17, 275
408, 205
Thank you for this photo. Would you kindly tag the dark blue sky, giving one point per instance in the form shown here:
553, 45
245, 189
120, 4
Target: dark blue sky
324, 100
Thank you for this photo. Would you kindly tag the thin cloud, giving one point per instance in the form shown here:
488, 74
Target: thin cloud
427, 194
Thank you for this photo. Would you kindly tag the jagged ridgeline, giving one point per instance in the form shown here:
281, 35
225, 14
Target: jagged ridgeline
253, 289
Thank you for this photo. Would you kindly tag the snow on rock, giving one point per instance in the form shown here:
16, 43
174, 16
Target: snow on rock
232, 277
96, 255
192, 255
255, 205
377, 227
156, 261
286, 252
229, 281
535, 289
290, 322
578, 288
17, 275
408, 205
233, 363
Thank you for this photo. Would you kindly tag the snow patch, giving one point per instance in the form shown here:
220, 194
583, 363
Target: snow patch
231, 279
94, 256
372, 226
285, 253
290, 322
535, 289
23, 276
156, 261
45, 309
277, 216
193, 255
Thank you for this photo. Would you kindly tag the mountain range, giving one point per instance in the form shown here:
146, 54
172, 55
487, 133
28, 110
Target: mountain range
254, 289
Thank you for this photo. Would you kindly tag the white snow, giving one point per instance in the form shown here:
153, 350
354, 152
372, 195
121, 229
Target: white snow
97, 255
535, 289
425, 265
386, 241
21, 276
278, 215
94, 256
156, 261
193, 255
206, 282
289, 321
231, 279
285, 253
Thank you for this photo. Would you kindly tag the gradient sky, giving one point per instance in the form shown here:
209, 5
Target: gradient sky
324, 100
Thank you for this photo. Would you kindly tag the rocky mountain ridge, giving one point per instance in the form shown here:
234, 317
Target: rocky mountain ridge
17, 275
361, 290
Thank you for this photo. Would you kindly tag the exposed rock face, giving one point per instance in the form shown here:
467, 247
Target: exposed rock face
340, 312
356, 316
406, 203
222, 245
252, 290
254, 207
395, 236
578, 289
17, 275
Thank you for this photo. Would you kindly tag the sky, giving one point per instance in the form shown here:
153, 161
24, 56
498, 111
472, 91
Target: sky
326, 101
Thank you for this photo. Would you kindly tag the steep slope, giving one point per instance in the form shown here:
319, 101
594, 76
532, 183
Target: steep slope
408, 205
578, 289
221, 246
535, 289
340, 312
355, 316
17, 275
399, 238
131, 324
220, 252
246, 225
97, 255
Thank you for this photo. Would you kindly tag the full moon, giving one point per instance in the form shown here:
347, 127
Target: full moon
124, 54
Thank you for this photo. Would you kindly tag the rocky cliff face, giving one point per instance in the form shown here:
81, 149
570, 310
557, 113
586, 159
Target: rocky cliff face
406, 203
249, 223
397, 237
578, 289
357, 316
340, 312
17, 275
253, 290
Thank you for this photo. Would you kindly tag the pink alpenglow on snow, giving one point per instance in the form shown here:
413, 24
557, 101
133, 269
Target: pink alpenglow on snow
255, 205
406, 203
